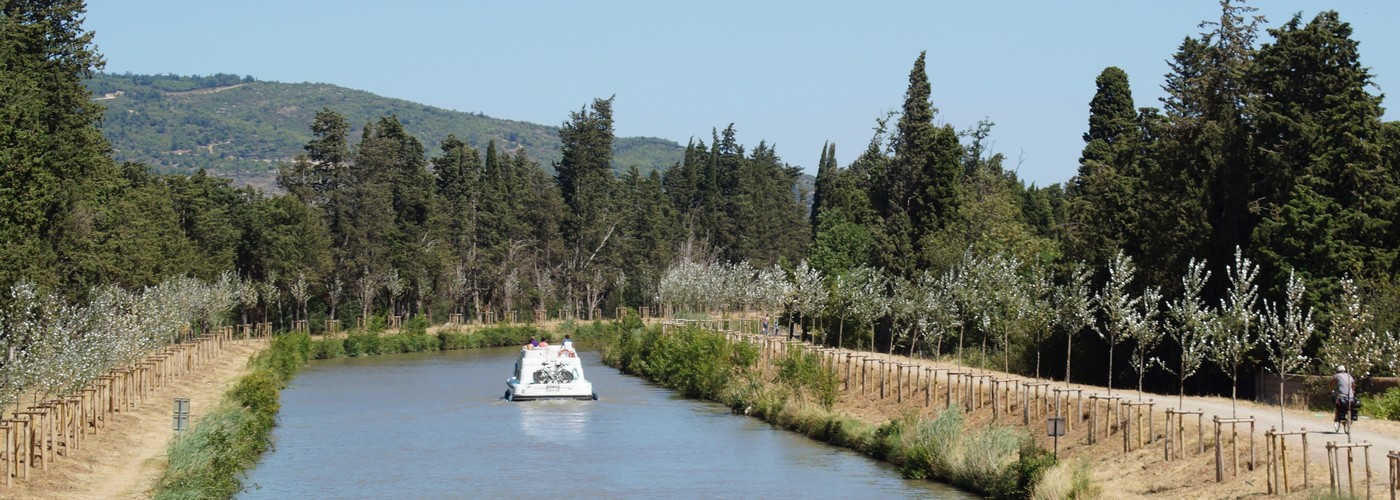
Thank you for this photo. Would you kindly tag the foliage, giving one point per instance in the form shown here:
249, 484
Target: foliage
208, 460
1385, 405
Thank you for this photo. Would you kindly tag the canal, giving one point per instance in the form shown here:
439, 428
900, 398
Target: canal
433, 425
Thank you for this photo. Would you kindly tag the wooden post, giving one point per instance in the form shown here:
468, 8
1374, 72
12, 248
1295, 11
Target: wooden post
1394, 483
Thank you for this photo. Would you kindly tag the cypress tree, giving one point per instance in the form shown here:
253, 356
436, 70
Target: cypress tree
1328, 200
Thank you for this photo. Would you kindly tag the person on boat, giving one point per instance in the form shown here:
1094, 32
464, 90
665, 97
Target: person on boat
532, 343
567, 348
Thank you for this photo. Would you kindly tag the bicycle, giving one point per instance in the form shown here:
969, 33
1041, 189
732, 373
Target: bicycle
1345, 414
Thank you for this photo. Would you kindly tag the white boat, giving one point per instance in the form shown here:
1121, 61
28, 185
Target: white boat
550, 372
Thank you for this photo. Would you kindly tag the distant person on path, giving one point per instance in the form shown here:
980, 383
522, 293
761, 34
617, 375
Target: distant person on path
765, 325
1344, 392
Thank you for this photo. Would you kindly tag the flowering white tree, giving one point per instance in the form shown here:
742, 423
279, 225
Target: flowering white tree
1074, 304
871, 303
301, 292
1147, 333
1287, 328
1234, 339
771, 288
247, 291
272, 295
366, 288
1118, 306
845, 294
1353, 342
904, 309
395, 285
333, 293
940, 309
808, 290
1193, 324
1039, 309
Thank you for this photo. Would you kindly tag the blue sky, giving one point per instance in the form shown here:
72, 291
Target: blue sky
796, 74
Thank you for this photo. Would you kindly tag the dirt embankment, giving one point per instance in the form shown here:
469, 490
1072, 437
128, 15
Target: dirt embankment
1142, 471
127, 456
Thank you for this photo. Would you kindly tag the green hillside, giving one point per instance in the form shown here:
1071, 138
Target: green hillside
242, 128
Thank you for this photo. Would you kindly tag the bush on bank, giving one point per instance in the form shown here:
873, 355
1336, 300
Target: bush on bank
999, 462
417, 339
207, 461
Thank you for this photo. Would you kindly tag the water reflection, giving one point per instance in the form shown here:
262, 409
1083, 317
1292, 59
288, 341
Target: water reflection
559, 421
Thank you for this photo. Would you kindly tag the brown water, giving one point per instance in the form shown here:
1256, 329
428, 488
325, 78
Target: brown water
433, 425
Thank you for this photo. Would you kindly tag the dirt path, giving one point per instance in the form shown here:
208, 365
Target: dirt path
128, 456
1142, 472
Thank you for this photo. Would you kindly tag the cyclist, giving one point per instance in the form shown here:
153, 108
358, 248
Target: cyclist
1344, 395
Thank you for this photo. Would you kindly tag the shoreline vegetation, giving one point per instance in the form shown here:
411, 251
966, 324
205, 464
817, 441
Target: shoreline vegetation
211, 458
798, 394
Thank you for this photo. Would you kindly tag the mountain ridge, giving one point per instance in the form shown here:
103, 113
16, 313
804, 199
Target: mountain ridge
242, 128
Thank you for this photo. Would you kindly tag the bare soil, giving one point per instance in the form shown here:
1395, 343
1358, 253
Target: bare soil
1143, 472
127, 457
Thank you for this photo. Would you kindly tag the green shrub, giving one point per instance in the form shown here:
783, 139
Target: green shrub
328, 348
362, 344
207, 460
1385, 406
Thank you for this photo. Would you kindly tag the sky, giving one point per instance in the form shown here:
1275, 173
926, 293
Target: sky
796, 74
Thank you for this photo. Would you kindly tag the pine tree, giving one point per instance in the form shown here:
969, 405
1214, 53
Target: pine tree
50, 145
587, 186
1328, 200
1104, 195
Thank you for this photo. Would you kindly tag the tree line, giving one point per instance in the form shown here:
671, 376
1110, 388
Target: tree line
1274, 150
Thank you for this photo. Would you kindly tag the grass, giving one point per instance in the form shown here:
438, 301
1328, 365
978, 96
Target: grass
209, 460
998, 462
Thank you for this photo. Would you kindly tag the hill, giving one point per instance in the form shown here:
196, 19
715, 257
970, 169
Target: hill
241, 128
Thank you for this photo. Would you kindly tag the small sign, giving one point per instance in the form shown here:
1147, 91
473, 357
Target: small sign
181, 417
1055, 426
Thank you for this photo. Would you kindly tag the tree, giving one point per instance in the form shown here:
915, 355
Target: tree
1074, 303
1287, 327
1193, 324
1103, 195
50, 144
1234, 339
1327, 199
1118, 306
1147, 333
1351, 340
586, 183
915, 193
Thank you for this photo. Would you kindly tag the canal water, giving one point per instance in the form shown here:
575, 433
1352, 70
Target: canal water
433, 425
